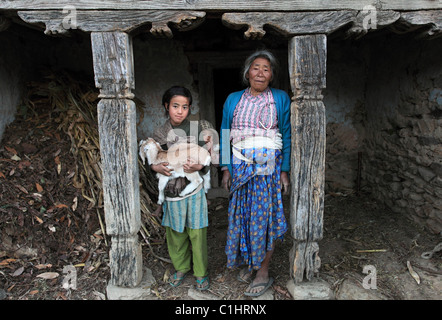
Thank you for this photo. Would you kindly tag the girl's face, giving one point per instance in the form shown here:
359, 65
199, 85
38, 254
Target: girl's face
178, 109
259, 75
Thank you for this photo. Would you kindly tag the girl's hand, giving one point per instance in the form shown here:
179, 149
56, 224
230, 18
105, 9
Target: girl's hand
227, 180
162, 168
191, 167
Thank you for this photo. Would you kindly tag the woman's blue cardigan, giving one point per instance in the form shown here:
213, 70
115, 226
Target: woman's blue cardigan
282, 101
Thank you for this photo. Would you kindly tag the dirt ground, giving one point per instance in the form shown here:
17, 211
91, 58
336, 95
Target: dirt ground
46, 225
358, 232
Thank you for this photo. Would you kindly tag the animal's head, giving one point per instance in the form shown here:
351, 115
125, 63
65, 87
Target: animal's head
149, 149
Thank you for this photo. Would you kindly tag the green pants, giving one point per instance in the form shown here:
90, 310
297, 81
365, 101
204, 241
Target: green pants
188, 246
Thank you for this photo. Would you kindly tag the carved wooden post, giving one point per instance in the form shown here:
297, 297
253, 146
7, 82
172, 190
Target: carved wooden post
307, 67
114, 76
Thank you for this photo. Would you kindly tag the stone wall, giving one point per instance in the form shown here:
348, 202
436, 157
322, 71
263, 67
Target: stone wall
402, 161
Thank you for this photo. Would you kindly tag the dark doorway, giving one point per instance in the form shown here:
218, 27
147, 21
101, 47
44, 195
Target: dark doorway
225, 81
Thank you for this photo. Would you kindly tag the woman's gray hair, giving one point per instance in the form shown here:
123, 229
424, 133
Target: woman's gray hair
259, 54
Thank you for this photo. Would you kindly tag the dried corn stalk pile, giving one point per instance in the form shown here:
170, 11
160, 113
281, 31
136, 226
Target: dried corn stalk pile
74, 104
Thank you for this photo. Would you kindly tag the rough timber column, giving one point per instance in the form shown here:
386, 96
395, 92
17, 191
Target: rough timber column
307, 68
114, 76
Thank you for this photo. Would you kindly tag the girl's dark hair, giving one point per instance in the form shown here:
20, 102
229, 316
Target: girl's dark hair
176, 91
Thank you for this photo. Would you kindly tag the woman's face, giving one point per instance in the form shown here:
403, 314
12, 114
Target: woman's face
259, 75
178, 109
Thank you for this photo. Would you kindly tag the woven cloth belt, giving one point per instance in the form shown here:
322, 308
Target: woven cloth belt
256, 142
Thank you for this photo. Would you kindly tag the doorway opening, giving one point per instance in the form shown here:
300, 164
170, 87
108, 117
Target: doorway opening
225, 81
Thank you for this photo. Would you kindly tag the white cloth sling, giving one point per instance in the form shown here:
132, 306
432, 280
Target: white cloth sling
256, 142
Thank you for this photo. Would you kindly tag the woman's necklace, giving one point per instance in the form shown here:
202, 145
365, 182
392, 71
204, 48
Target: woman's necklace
268, 103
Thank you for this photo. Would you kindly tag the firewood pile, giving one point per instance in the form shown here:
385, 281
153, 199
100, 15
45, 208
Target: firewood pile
50, 180
75, 104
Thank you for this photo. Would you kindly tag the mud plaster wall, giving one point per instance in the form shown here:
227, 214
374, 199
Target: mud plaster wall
159, 64
384, 100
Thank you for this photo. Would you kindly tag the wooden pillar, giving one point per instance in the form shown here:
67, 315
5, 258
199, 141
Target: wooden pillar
307, 67
114, 76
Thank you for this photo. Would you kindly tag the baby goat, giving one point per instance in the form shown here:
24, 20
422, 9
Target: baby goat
177, 155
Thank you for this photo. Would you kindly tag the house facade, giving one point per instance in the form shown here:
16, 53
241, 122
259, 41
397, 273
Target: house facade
364, 77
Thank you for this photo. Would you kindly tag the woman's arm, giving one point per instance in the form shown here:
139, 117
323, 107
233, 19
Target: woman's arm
226, 182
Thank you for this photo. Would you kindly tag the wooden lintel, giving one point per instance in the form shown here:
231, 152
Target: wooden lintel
61, 21
290, 24
286, 23
430, 21
222, 6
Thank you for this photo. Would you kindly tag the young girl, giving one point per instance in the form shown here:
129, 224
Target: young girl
185, 218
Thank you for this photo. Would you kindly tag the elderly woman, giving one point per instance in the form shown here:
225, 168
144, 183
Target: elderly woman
255, 159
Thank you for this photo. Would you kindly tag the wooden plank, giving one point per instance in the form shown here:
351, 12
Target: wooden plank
308, 65
125, 261
114, 76
305, 261
296, 23
307, 68
411, 21
57, 21
113, 64
308, 163
288, 23
118, 146
224, 6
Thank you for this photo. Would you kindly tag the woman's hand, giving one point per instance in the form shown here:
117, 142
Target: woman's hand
162, 168
285, 183
227, 180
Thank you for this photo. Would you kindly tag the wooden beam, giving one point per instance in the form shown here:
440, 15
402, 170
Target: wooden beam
58, 21
307, 68
113, 67
429, 21
113, 64
223, 6
288, 23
